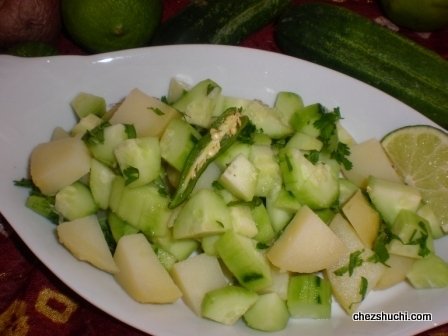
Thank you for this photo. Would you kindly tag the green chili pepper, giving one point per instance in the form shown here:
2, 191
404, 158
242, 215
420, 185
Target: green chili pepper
222, 133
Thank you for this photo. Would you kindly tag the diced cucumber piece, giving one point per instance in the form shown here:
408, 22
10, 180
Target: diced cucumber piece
279, 217
287, 103
75, 201
244, 261
198, 103
265, 232
261, 139
139, 160
102, 141
389, 198
176, 89
228, 304
268, 170
237, 148
165, 257
44, 206
303, 119
100, 182
314, 185
326, 215
280, 282
268, 313
203, 214
346, 190
119, 227
240, 178
429, 272
177, 141
87, 123
427, 213
286, 200
181, 249
309, 296
86, 103
267, 120
226, 195
304, 142
242, 221
413, 235
143, 207
208, 244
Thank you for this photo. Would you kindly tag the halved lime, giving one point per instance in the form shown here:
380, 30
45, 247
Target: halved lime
419, 153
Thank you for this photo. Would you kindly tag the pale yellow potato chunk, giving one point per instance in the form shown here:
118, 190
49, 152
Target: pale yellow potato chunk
149, 115
196, 276
84, 238
363, 217
399, 266
348, 289
369, 158
141, 274
57, 164
307, 245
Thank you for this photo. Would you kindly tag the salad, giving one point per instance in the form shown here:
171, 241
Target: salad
240, 209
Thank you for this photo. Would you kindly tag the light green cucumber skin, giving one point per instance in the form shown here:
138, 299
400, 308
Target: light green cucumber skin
347, 42
218, 21
75, 201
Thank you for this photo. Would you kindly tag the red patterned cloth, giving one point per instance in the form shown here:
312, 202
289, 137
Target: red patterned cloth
34, 302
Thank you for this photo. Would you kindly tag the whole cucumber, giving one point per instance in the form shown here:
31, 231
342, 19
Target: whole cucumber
352, 44
218, 21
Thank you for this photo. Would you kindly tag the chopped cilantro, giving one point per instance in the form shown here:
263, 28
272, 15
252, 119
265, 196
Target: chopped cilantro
326, 125
156, 110
95, 136
130, 131
130, 174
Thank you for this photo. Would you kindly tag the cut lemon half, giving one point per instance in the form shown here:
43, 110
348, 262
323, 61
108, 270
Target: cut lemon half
419, 153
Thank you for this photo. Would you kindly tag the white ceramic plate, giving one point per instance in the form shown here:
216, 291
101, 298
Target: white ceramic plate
34, 97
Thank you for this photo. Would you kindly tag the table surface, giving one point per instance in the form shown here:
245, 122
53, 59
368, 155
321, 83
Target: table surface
34, 302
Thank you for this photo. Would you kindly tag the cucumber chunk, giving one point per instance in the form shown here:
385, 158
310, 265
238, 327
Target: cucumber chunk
287, 103
227, 305
139, 160
240, 178
314, 185
244, 261
309, 296
86, 103
268, 313
143, 207
429, 272
413, 236
196, 220
198, 103
177, 141
389, 198
100, 183
75, 201
119, 227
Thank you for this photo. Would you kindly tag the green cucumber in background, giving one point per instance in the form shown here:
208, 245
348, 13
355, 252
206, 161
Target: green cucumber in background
349, 43
218, 21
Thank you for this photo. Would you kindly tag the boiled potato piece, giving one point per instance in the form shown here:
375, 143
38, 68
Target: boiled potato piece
59, 163
363, 217
149, 115
351, 284
369, 158
84, 238
306, 245
140, 272
399, 266
196, 276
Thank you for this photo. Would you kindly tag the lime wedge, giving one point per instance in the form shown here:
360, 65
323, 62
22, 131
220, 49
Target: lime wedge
419, 153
